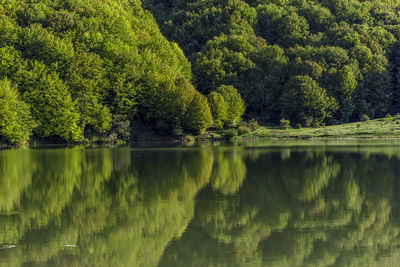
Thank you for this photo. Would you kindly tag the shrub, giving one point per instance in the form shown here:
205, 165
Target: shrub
253, 124
388, 116
121, 127
308, 122
112, 138
230, 133
244, 130
284, 124
364, 117
177, 131
244, 123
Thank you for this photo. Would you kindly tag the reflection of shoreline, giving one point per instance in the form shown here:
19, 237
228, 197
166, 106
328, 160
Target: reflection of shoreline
269, 221
77, 196
8, 246
230, 205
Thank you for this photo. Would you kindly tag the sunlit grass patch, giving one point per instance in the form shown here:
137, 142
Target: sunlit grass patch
378, 128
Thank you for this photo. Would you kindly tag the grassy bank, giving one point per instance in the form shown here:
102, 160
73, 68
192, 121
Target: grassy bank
378, 128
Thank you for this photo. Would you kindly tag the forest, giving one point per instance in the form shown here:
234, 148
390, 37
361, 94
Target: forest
74, 69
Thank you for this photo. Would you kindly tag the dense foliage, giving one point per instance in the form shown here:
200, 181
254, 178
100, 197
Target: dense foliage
342, 54
78, 64
16, 123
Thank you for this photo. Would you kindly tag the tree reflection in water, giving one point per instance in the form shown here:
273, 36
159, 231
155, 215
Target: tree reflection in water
225, 206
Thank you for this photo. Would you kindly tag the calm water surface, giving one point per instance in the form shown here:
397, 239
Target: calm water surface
297, 204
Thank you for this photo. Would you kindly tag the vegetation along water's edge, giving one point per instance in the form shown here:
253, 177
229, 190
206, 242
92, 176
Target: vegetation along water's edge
383, 128
388, 127
87, 72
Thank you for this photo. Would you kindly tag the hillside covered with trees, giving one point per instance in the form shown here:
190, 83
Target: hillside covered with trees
77, 68
312, 62
72, 68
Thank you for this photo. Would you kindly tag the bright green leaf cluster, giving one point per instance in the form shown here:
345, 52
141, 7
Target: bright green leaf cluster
16, 122
234, 103
77, 63
219, 109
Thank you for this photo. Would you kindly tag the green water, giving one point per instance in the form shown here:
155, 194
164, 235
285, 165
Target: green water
275, 204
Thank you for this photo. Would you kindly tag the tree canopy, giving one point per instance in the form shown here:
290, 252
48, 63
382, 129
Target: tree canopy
348, 48
89, 62
77, 63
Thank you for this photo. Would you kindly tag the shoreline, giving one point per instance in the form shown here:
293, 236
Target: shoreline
203, 141
379, 129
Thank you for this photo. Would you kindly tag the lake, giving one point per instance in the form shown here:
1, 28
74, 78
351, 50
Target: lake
320, 203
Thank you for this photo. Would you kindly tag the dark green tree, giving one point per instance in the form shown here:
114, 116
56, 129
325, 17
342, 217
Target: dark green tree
304, 101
